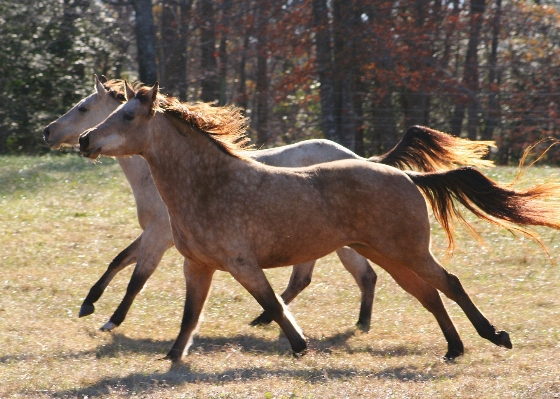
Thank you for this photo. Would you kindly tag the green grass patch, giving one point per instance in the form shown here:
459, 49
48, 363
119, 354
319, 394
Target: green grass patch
63, 219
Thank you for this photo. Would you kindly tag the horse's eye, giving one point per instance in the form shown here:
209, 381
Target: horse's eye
82, 109
128, 116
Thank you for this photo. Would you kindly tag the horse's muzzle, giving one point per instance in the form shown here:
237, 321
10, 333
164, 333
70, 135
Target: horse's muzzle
84, 142
46, 134
84, 147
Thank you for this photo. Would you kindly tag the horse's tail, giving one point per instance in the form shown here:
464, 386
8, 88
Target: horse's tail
488, 200
429, 150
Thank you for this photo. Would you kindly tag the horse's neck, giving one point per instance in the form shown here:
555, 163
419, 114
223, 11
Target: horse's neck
135, 169
146, 195
185, 165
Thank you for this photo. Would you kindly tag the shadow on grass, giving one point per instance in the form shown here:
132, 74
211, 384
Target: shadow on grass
123, 345
181, 374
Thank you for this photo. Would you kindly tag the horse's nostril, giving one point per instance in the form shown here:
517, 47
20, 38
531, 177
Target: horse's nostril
84, 142
46, 133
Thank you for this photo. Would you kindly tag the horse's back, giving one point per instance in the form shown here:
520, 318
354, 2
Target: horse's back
372, 201
304, 153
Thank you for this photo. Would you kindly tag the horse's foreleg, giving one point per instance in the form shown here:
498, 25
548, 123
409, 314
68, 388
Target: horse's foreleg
150, 254
122, 260
299, 280
198, 280
253, 279
427, 295
366, 279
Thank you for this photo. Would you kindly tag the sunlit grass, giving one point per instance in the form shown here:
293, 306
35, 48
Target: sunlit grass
63, 218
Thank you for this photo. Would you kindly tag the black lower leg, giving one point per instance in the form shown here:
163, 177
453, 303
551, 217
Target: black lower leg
367, 286
123, 259
484, 328
135, 285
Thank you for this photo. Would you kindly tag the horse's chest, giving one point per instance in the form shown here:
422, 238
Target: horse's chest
199, 245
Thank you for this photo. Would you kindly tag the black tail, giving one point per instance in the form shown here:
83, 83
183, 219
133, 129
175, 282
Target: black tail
488, 200
429, 150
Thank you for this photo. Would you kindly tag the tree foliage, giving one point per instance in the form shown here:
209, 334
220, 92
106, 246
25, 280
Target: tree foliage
355, 71
50, 51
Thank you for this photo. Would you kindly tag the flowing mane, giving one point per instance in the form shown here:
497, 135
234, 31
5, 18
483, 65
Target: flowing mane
226, 125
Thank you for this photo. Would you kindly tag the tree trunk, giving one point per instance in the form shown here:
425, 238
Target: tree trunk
325, 69
417, 102
223, 55
168, 46
123, 43
359, 147
208, 63
384, 124
416, 107
346, 24
470, 75
145, 40
242, 97
493, 78
261, 125
182, 81
450, 29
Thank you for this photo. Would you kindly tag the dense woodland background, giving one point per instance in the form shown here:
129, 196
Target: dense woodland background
357, 72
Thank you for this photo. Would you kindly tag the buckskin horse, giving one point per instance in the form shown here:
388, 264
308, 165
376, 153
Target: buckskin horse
231, 213
421, 148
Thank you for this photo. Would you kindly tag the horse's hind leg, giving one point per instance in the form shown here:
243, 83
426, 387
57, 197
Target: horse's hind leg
198, 280
149, 255
426, 295
122, 260
366, 279
435, 275
299, 280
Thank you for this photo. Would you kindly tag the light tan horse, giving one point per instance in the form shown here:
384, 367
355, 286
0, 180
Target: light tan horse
421, 148
231, 213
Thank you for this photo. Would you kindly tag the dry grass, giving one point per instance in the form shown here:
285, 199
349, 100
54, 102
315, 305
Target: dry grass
62, 219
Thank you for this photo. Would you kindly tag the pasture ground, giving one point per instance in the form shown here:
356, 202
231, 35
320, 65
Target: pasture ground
63, 218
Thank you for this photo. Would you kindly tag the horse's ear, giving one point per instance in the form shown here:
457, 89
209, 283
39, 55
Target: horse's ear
128, 90
103, 79
153, 92
99, 88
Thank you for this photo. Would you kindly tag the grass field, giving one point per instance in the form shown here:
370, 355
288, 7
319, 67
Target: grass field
63, 218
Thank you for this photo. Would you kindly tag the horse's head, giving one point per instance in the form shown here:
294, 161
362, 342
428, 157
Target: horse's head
89, 112
125, 131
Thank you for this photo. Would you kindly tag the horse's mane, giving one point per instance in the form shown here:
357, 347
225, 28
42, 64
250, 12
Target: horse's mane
226, 125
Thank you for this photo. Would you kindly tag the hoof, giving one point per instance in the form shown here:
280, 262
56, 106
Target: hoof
454, 350
363, 326
109, 326
300, 348
174, 356
502, 339
297, 355
452, 354
86, 310
263, 320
